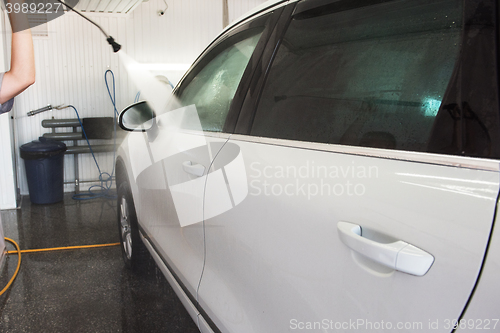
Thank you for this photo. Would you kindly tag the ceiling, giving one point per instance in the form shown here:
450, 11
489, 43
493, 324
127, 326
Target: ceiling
107, 6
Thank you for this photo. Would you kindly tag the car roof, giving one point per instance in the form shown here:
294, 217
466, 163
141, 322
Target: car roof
260, 8
254, 12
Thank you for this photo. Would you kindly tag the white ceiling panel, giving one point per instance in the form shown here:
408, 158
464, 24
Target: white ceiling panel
107, 6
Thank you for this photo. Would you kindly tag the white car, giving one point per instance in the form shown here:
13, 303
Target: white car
327, 166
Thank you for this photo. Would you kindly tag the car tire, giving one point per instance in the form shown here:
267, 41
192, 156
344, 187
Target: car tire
133, 249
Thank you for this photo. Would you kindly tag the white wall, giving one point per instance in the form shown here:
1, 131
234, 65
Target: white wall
72, 60
237, 8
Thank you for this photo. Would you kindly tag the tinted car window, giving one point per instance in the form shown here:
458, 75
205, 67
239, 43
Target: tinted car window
373, 76
213, 87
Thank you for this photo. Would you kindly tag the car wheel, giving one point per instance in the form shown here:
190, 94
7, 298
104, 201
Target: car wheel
133, 250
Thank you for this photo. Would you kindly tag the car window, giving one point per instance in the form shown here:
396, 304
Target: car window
373, 76
213, 87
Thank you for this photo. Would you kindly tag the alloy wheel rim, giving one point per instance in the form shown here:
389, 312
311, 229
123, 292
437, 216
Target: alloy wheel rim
125, 228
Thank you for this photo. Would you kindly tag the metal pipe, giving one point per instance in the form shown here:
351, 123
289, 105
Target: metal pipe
51, 123
64, 136
85, 181
75, 159
86, 150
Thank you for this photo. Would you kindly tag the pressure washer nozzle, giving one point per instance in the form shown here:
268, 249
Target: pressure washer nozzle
116, 47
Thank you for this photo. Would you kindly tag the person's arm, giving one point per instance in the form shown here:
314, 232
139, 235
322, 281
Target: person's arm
22, 64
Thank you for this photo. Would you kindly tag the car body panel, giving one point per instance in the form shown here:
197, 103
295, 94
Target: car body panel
172, 280
278, 259
170, 198
483, 310
245, 260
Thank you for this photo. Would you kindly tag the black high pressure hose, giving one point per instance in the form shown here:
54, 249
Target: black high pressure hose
116, 47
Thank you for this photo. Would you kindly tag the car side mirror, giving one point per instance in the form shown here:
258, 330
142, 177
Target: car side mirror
138, 117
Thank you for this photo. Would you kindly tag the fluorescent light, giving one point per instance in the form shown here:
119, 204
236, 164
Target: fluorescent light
431, 107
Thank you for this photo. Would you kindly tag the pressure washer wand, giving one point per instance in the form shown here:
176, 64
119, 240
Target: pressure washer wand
37, 111
46, 108
116, 47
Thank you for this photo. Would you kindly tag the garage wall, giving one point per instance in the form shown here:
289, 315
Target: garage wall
72, 59
238, 8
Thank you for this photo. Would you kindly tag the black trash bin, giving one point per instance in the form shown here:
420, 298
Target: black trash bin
44, 162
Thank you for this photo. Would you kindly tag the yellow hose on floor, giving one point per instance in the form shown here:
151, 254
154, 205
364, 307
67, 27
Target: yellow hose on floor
65, 248
19, 251
18, 265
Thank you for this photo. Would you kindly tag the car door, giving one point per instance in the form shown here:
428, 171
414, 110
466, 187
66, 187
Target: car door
171, 160
370, 151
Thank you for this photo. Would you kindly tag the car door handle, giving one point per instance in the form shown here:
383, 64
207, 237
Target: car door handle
398, 255
194, 169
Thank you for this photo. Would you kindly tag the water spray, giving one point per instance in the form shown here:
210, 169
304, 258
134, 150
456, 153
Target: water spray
116, 47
